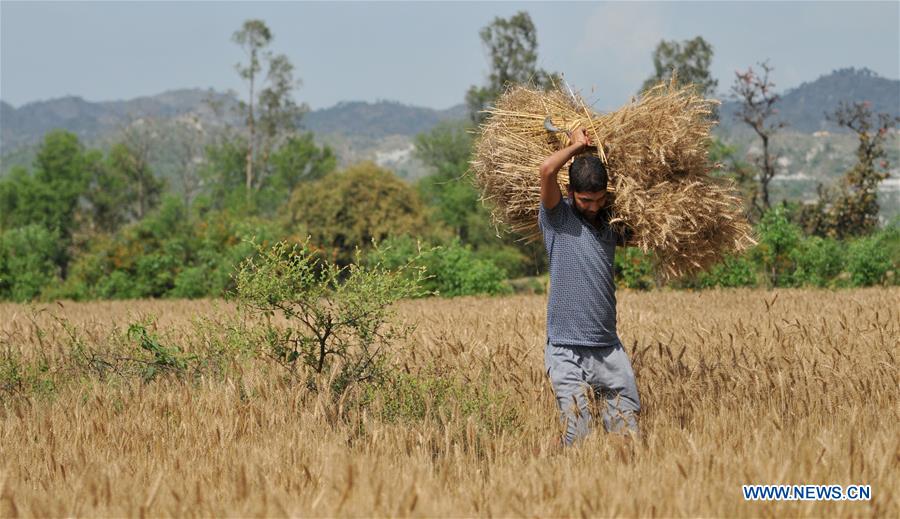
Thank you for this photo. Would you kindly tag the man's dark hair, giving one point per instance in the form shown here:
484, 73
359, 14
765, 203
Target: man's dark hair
587, 175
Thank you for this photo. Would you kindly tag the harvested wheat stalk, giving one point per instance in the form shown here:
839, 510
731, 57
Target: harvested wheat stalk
656, 154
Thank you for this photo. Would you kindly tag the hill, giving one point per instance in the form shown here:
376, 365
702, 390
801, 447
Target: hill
804, 108
813, 149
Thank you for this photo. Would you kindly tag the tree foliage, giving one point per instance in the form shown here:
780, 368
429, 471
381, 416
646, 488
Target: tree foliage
757, 98
455, 203
296, 161
271, 113
689, 60
335, 315
511, 45
851, 208
348, 210
29, 258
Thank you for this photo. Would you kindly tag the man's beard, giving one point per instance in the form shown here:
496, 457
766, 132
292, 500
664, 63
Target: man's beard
589, 217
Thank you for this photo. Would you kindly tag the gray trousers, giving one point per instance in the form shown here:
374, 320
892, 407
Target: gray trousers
576, 371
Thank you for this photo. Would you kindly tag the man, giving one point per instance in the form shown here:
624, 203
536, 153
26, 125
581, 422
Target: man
583, 350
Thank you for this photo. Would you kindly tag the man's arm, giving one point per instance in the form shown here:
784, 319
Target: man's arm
550, 192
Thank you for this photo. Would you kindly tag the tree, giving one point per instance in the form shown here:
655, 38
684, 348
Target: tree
688, 59
512, 50
278, 112
15, 192
61, 177
852, 208
348, 210
49, 197
108, 196
253, 37
446, 150
29, 261
222, 173
732, 167
456, 204
296, 161
757, 110
778, 237
187, 138
130, 159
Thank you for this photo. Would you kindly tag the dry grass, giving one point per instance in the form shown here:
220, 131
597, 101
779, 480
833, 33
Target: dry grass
656, 151
738, 387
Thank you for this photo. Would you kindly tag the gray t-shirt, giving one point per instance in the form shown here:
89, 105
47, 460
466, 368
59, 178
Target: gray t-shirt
581, 310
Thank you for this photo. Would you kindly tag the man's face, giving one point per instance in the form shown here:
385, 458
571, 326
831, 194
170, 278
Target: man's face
589, 203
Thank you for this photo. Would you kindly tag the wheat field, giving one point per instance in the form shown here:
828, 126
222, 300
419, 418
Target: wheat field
738, 387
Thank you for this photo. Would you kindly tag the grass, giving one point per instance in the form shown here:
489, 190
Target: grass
738, 387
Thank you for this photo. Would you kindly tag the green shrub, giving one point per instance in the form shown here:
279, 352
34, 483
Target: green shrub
159, 359
507, 258
19, 376
634, 269
168, 254
778, 237
191, 282
732, 272
818, 261
28, 262
117, 285
451, 270
868, 261
348, 210
338, 316
529, 285
457, 271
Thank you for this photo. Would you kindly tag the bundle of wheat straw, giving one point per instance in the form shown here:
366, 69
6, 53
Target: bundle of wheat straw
655, 150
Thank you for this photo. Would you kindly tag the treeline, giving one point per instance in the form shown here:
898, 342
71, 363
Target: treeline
785, 257
85, 224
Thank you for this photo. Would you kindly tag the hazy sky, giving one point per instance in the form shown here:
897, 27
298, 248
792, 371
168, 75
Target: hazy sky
421, 53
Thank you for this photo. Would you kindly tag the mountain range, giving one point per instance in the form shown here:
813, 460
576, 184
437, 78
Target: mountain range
813, 149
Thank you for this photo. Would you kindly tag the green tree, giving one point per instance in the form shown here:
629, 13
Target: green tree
851, 209
278, 112
778, 240
455, 202
15, 192
108, 197
222, 174
29, 262
688, 59
350, 209
130, 161
298, 160
445, 150
253, 38
50, 196
60, 179
511, 45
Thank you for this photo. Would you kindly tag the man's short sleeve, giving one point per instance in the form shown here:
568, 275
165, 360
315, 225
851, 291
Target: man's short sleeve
553, 218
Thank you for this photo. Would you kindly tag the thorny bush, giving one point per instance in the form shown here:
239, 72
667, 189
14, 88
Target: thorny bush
339, 319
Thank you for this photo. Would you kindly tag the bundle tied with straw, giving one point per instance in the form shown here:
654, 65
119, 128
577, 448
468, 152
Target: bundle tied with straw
655, 151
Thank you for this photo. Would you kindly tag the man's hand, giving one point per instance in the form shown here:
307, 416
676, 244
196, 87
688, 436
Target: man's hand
580, 137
